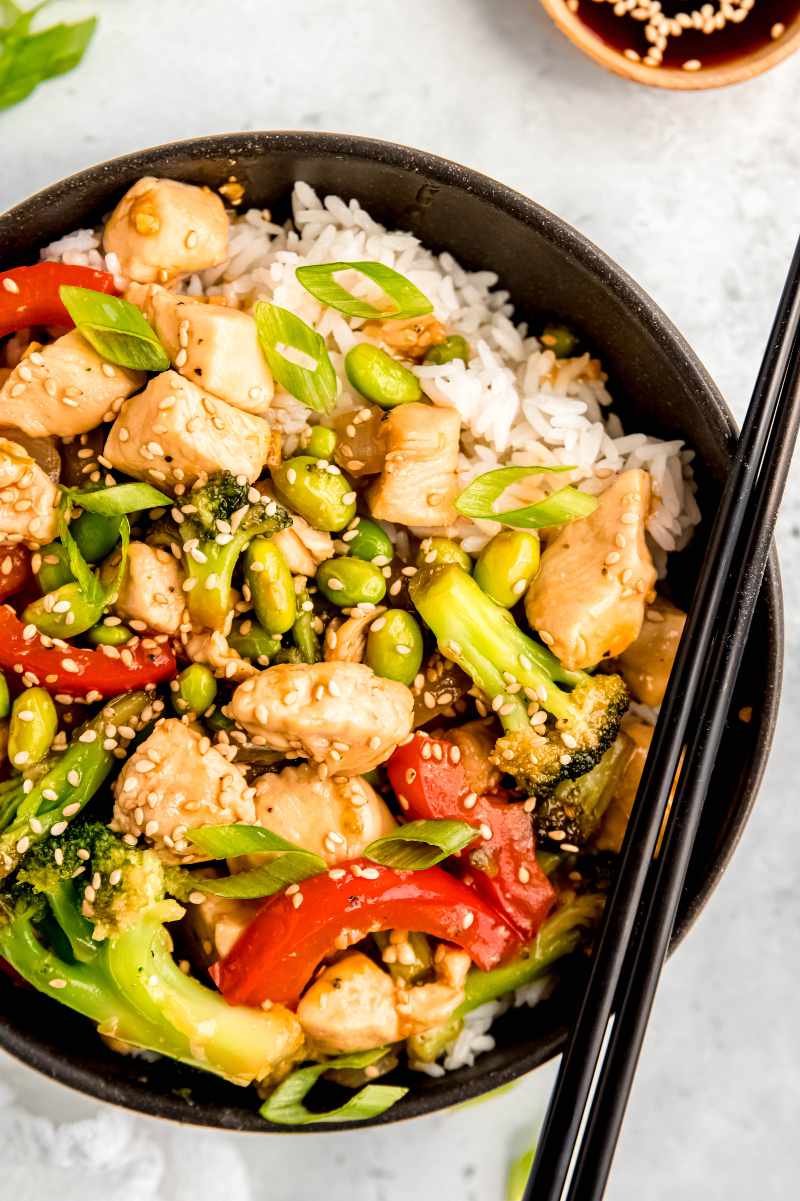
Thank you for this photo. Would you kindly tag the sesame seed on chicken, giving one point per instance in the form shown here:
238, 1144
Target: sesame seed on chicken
174, 782
340, 715
65, 388
28, 498
162, 228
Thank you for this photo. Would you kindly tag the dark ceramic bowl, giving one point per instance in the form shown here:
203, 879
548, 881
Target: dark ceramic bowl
660, 387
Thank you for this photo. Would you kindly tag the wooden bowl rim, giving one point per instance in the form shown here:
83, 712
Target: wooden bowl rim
747, 66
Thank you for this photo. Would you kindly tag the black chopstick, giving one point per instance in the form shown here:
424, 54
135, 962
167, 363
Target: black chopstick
657, 915
729, 532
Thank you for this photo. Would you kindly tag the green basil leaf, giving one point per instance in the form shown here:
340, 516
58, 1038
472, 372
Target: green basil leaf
28, 59
119, 500
285, 1107
407, 300
315, 386
115, 328
479, 498
226, 842
421, 844
289, 867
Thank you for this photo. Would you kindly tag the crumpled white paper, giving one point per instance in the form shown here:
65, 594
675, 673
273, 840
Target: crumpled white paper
113, 1156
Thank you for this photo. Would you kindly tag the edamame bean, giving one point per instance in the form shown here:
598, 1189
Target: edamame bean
394, 646
54, 570
321, 442
442, 550
33, 726
561, 340
303, 632
103, 635
196, 689
95, 535
366, 540
5, 699
271, 586
507, 564
454, 347
322, 495
66, 612
379, 377
347, 582
251, 641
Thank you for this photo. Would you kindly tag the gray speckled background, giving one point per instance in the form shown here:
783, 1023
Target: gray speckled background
697, 196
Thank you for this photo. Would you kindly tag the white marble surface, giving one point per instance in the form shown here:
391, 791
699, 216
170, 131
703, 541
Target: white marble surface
697, 196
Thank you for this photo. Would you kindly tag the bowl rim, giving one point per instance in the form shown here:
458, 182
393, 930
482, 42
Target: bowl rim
133, 1095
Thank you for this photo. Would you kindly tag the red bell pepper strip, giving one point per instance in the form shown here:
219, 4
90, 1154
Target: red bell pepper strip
502, 866
15, 570
86, 670
29, 295
276, 956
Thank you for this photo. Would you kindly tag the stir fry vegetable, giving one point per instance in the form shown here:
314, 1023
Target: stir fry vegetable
272, 690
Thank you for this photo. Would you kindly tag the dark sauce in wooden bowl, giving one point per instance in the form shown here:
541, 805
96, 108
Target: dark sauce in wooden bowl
684, 35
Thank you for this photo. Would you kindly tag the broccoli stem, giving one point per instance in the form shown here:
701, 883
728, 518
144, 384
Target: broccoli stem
484, 640
89, 759
64, 903
560, 935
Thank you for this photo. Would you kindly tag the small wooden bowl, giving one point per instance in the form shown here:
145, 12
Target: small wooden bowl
746, 66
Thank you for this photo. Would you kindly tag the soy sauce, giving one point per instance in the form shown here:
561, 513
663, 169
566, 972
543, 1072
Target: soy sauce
766, 23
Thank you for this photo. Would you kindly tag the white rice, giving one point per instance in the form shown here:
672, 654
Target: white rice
518, 404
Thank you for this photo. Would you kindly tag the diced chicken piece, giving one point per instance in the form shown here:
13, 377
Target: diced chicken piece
637, 737
175, 781
587, 602
212, 346
303, 547
346, 641
426, 1006
162, 228
646, 664
217, 922
174, 433
336, 820
65, 388
475, 741
152, 587
211, 648
354, 1005
418, 483
28, 498
338, 714
411, 338
350, 1007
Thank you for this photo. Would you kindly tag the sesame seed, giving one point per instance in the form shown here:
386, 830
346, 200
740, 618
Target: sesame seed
370, 873
57, 982
523, 875
58, 828
486, 831
10, 285
467, 920
297, 900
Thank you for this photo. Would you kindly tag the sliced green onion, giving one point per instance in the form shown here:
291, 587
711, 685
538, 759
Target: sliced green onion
518, 1174
226, 842
115, 328
407, 300
315, 386
285, 1107
479, 498
92, 590
118, 500
421, 844
290, 867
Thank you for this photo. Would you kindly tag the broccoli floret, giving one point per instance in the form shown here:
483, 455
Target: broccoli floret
121, 973
39, 805
523, 681
219, 523
572, 812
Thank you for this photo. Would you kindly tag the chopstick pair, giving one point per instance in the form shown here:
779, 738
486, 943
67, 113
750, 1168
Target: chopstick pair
641, 909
